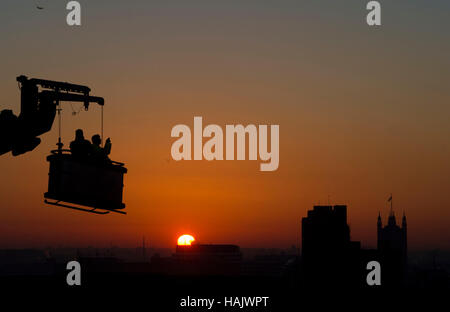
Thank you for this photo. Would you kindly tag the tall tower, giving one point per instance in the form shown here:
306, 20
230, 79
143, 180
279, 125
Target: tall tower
329, 257
392, 248
391, 219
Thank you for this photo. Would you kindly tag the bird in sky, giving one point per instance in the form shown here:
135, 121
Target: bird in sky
39, 7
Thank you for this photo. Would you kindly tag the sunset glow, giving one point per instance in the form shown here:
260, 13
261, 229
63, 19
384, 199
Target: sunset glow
185, 240
357, 120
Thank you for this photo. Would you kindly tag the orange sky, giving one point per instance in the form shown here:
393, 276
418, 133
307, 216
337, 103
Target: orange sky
362, 114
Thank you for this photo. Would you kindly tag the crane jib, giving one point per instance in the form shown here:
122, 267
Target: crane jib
55, 85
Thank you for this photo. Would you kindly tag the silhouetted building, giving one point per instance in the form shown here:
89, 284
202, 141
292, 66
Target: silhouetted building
227, 253
392, 248
208, 259
329, 257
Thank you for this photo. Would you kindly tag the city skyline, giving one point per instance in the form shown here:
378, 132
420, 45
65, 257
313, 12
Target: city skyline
362, 113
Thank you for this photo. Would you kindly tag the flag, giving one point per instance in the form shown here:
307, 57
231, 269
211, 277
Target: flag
390, 198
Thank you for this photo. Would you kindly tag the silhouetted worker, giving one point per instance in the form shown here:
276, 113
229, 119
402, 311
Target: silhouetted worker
100, 153
80, 147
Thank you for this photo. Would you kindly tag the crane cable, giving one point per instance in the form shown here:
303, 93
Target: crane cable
58, 109
59, 122
101, 125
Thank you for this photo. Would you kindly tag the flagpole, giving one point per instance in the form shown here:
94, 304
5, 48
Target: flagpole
391, 203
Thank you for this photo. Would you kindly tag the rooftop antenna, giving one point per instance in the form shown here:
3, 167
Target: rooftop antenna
143, 247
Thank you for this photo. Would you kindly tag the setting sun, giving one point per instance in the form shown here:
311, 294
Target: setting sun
185, 240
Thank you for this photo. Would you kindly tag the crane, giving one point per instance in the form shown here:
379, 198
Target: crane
38, 105
81, 185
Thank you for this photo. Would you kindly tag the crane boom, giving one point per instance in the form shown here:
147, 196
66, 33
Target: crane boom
39, 99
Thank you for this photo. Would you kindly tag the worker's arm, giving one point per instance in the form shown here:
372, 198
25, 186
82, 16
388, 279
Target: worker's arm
107, 147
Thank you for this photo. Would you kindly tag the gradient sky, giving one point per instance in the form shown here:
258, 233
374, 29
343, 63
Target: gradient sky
363, 112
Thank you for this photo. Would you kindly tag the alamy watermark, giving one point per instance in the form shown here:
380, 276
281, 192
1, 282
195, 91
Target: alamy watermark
213, 148
74, 276
373, 18
74, 16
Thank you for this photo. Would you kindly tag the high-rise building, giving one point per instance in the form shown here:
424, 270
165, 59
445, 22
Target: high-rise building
329, 257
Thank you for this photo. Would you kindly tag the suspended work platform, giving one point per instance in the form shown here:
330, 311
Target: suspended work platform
85, 185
